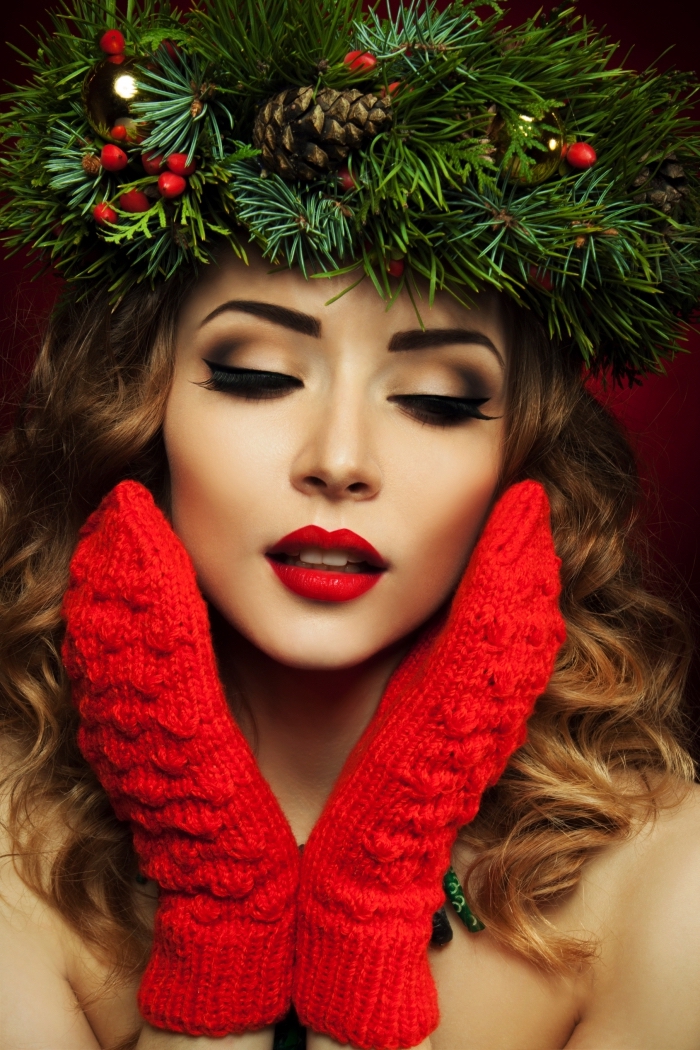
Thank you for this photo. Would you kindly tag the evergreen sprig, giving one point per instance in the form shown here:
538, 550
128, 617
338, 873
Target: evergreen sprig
179, 84
465, 187
295, 224
66, 148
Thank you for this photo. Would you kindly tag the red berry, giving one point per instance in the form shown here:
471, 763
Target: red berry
152, 164
392, 89
116, 60
541, 277
171, 49
104, 215
395, 267
113, 158
346, 179
112, 42
171, 185
360, 61
134, 201
118, 132
177, 162
581, 156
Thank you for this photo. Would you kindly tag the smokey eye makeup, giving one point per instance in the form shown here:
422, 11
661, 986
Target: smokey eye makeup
450, 410
260, 385
439, 410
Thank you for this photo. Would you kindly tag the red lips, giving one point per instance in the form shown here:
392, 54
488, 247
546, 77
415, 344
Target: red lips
325, 585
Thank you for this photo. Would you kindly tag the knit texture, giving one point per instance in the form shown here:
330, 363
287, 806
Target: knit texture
450, 718
243, 927
156, 728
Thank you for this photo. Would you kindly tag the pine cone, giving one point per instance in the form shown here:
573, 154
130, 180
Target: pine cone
667, 189
302, 138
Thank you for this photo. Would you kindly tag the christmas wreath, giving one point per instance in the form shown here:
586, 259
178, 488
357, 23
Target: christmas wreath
434, 143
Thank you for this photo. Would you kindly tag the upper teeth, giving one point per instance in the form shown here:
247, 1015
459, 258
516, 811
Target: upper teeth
315, 556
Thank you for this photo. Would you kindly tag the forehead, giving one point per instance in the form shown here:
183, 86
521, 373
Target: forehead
361, 307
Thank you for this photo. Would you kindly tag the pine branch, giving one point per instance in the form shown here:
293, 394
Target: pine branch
465, 185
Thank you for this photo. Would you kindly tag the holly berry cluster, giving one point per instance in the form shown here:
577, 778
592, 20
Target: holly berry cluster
173, 170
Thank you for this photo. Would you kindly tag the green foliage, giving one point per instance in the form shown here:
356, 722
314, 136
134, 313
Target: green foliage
466, 185
171, 91
66, 147
258, 48
295, 224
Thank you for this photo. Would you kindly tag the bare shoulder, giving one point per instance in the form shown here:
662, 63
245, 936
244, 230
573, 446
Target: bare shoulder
41, 959
641, 901
38, 1008
659, 863
638, 902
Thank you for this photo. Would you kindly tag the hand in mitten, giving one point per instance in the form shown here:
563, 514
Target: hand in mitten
156, 728
450, 718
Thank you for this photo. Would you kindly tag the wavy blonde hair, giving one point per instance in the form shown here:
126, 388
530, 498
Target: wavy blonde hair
603, 743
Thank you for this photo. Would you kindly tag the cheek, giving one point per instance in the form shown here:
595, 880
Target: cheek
219, 467
443, 502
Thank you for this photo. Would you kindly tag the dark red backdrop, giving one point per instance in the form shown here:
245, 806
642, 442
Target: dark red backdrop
663, 415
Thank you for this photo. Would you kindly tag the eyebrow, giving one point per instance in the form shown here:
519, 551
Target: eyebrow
414, 339
426, 339
294, 319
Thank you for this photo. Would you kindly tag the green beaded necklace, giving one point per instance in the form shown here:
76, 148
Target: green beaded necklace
455, 895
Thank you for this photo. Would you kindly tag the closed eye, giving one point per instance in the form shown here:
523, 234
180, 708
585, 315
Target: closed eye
441, 411
251, 383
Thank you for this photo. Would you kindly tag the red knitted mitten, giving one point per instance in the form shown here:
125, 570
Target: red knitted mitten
451, 716
156, 728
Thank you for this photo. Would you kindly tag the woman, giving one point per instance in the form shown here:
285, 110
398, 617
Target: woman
263, 418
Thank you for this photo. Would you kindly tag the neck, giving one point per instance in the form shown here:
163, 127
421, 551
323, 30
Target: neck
300, 723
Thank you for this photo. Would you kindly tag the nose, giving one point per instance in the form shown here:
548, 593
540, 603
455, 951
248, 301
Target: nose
336, 459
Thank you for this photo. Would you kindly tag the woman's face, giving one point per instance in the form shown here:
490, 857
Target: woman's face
286, 414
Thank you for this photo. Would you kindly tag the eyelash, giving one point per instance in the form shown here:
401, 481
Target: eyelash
250, 383
256, 385
440, 411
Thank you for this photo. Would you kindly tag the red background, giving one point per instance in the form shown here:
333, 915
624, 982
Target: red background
663, 415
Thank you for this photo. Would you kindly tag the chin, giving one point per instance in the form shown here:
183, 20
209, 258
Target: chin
314, 651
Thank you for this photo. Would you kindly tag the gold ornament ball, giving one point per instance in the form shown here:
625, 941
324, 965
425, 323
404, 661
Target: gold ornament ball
546, 161
109, 91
